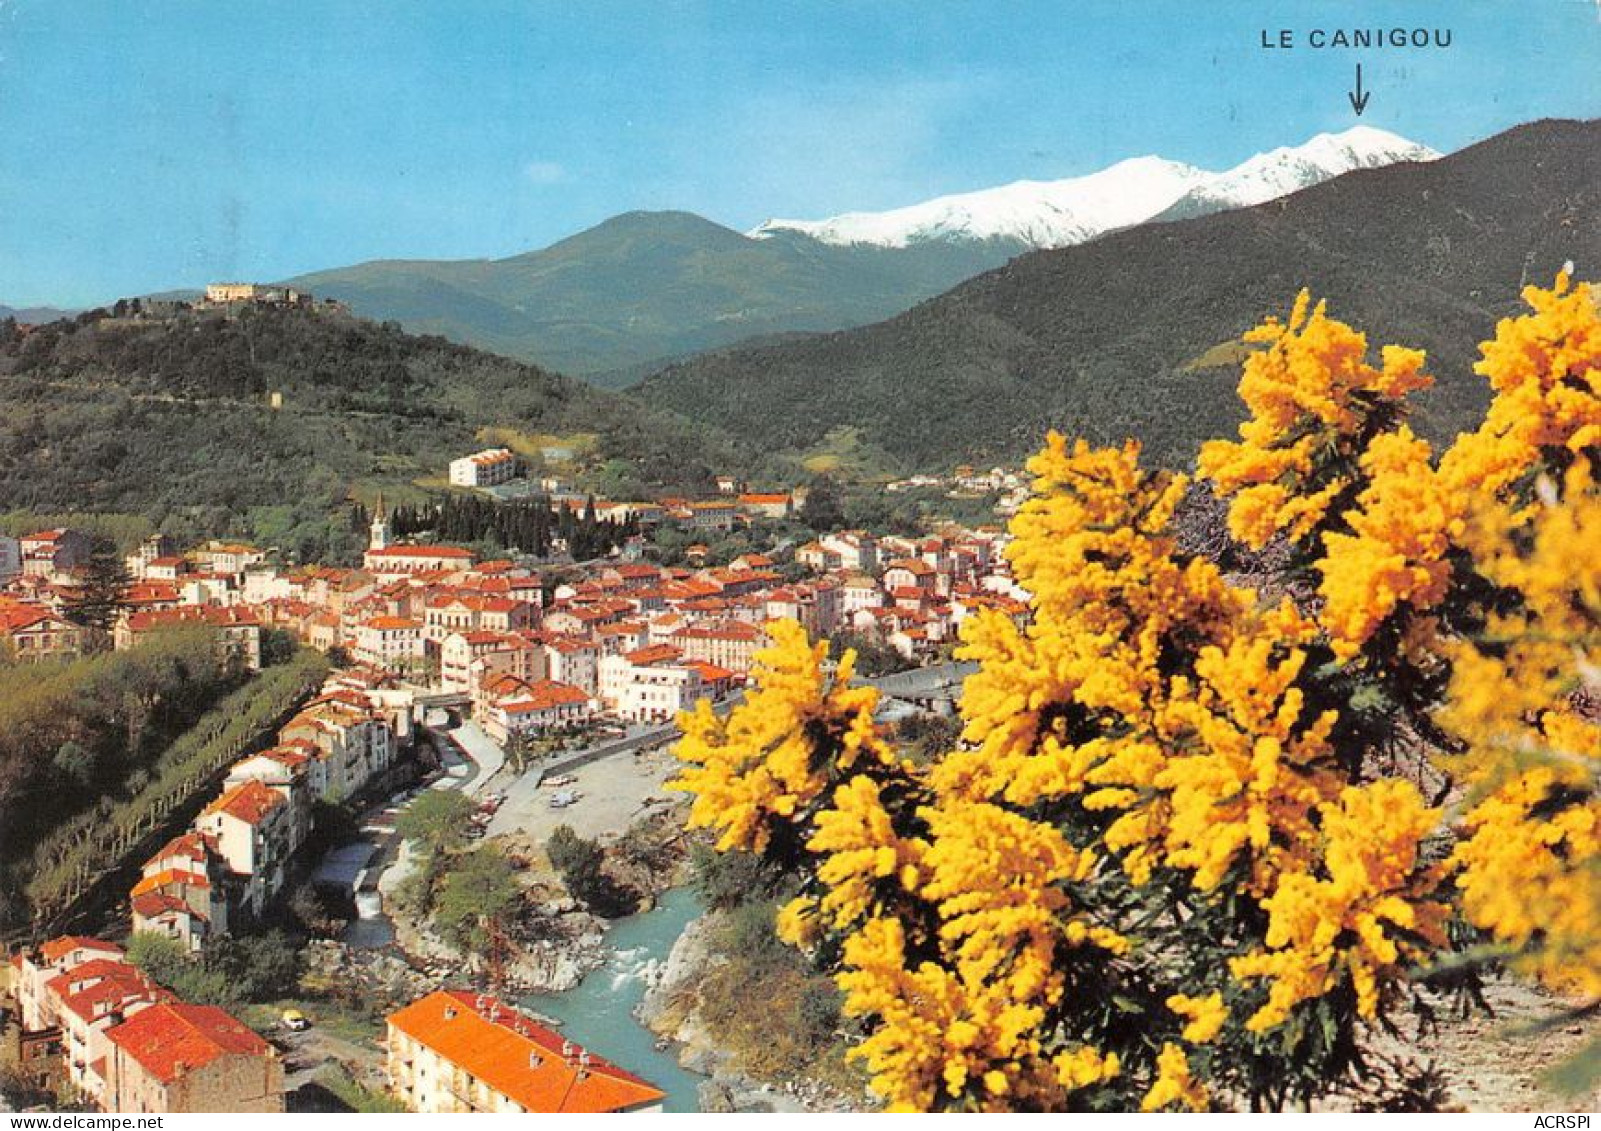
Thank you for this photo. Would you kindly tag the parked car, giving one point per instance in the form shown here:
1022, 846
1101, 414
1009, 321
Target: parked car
295, 1021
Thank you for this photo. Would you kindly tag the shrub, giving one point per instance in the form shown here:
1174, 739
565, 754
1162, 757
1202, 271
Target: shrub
1192, 842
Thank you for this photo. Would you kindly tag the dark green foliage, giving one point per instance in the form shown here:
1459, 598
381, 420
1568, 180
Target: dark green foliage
581, 864
525, 525
475, 899
437, 821
752, 936
257, 967
99, 597
77, 839
818, 1012
926, 738
874, 655
824, 508
1106, 340
125, 531
572, 855
171, 420
230, 971
724, 880
100, 723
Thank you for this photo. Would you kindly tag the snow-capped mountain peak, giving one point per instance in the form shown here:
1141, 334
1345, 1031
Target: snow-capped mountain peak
1065, 212
1040, 213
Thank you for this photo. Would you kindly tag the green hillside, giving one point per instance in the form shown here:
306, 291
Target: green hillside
174, 418
647, 286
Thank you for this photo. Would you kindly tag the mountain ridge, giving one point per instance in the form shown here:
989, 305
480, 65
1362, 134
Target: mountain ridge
618, 298
1106, 339
1060, 213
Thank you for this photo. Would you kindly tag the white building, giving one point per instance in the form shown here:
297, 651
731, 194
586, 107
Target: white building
488, 468
388, 642
458, 1052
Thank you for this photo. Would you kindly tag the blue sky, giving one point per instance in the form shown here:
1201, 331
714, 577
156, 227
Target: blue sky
164, 143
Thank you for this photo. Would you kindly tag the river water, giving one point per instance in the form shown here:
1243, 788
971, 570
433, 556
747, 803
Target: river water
599, 1013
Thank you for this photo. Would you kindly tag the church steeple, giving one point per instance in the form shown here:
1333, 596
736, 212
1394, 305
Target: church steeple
379, 537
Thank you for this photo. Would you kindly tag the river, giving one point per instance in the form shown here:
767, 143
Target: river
599, 1013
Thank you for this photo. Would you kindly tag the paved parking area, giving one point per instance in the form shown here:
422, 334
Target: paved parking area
613, 793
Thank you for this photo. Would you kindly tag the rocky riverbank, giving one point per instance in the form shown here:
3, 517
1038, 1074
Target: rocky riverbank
554, 944
671, 1008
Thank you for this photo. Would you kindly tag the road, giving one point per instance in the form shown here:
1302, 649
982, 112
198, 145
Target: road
376, 862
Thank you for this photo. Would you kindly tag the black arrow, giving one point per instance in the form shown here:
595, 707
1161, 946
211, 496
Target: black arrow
1359, 101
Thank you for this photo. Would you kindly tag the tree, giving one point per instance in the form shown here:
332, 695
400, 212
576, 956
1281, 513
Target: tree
102, 590
277, 645
437, 821
875, 656
724, 880
824, 508
1176, 857
581, 864
169, 964
475, 900
256, 967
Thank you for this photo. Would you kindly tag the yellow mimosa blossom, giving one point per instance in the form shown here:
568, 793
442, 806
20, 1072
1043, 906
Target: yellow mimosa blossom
1161, 775
1310, 392
1545, 368
1531, 876
776, 752
1395, 555
1205, 1015
861, 850
1530, 856
941, 1037
1363, 915
1174, 1084
1248, 770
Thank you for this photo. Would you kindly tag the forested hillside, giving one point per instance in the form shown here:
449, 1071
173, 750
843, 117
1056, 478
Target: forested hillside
1130, 335
174, 418
74, 734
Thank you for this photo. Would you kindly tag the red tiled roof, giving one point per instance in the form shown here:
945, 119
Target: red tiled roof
172, 1037
113, 984
544, 695
167, 877
518, 1058
19, 617
915, 566
655, 654
455, 552
153, 904
250, 802
711, 673
392, 624
58, 948
216, 616
190, 845
728, 630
